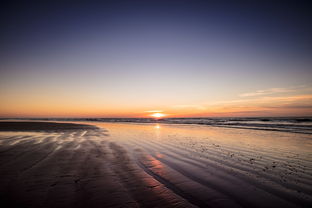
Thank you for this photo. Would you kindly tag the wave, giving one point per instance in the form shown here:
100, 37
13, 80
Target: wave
285, 124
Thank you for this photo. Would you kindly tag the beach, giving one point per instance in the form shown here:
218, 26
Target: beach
111, 164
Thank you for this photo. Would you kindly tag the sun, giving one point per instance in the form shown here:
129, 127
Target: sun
158, 115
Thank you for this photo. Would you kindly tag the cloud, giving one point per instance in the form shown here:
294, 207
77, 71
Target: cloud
267, 92
266, 100
154, 111
269, 102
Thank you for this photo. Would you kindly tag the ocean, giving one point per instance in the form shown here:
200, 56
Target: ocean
285, 124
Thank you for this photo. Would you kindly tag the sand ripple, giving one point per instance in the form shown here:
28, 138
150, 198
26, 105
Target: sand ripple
134, 165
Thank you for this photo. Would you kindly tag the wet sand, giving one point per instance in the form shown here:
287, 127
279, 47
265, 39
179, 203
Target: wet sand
47, 164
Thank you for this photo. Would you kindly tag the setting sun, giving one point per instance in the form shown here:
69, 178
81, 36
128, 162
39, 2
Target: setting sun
158, 115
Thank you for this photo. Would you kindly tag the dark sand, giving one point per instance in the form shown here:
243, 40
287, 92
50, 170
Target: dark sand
69, 167
41, 126
47, 164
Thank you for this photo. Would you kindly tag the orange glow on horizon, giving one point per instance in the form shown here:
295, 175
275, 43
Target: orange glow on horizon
46, 106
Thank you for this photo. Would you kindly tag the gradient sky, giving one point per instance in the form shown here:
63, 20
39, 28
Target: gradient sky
180, 58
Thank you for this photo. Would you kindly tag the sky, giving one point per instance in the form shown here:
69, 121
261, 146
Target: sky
136, 58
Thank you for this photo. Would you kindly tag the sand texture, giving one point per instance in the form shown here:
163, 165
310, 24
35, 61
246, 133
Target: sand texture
47, 164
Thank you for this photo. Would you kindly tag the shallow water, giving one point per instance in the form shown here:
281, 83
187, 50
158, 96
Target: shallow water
157, 165
271, 168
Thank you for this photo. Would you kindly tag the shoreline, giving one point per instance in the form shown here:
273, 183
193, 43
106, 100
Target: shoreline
300, 125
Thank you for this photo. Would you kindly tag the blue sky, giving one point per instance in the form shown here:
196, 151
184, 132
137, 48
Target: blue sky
122, 58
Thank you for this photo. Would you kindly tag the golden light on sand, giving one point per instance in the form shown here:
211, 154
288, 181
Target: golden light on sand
158, 115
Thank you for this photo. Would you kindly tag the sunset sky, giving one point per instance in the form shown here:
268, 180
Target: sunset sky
137, 58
